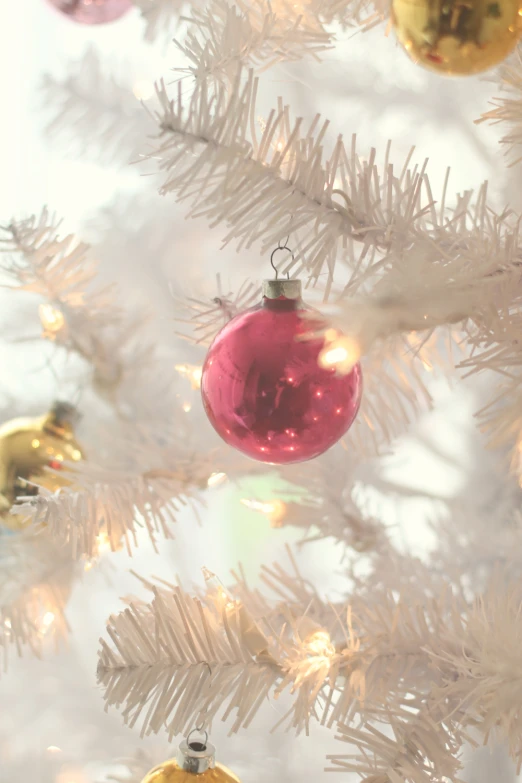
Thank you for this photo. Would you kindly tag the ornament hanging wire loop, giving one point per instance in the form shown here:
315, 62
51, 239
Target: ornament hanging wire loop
276, 250
198, 730
195, 756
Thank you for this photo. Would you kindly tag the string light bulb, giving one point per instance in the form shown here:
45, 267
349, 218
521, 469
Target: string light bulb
103, 542
52, 320
216, 479
275, 510
215, 586
340, 352
47, 620
192, 373
239, 618
143, 89
319, 644
316, 641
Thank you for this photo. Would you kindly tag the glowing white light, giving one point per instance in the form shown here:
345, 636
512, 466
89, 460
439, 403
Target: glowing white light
340, 353
192, 372
52, 320
335, 355
143, 89
48, 619
103, 542
275, 510
319, 644
216, 587
215, 479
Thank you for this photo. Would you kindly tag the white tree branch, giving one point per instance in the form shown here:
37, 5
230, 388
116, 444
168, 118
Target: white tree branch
112, 506
37, 578
107, 119
83, 318
222, 38
160, 653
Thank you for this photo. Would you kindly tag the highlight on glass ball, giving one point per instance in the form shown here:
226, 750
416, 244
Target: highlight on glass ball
264, 388
92, 11
458, 37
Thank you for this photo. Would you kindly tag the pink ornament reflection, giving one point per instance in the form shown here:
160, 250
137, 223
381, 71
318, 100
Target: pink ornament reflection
265, 393
92, 11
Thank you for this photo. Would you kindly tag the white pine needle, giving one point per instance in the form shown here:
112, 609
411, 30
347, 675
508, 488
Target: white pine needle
206, 318
507, 107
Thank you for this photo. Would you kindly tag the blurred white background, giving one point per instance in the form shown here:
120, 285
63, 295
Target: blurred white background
52, 725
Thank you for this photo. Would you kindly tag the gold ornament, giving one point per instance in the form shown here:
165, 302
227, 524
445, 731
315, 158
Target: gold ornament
458, 36
27, 447
195, 759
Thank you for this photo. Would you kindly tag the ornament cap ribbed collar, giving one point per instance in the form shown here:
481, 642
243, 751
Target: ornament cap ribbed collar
196, 757
61, 419
290, 289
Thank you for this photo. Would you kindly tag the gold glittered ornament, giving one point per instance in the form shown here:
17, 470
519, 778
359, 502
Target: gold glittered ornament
30, 445
458, 36
194, 760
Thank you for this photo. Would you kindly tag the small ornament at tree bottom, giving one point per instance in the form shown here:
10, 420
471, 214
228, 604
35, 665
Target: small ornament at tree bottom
262, 386
92, 11
453, 37
27, 447
194, 759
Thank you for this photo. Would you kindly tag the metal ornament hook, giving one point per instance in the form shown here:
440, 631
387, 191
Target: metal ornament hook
200, 728
276, 250
198, 756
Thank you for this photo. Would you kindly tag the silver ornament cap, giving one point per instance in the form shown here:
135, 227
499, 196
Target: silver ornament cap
65, 412
290, 289
61, 419
196, 757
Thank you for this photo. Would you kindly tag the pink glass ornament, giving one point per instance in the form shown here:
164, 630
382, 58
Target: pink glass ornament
264, 391
92, 11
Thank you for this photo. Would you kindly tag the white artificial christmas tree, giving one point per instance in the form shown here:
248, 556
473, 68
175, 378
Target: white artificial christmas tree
365, 617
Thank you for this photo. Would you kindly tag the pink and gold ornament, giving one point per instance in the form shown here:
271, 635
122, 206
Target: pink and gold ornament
263, 388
